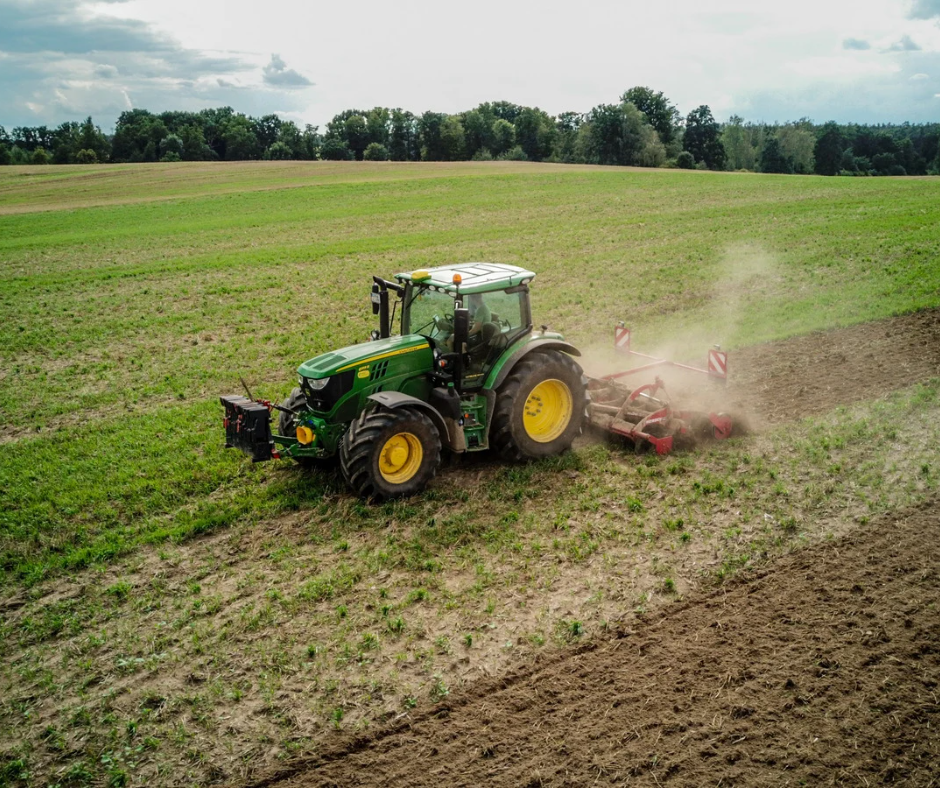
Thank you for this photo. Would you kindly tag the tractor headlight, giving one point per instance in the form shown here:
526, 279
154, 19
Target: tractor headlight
319, 383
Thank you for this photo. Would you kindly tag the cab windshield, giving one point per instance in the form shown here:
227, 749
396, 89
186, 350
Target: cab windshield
428, 312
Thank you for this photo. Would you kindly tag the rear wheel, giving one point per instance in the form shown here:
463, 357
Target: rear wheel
540, 407
390, 453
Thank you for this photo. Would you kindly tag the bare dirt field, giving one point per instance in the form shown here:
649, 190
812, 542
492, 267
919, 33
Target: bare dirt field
825, 669
814, 373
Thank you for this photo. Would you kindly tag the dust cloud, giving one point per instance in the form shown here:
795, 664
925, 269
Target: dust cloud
745, 274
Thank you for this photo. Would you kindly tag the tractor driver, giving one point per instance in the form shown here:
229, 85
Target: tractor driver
479, 314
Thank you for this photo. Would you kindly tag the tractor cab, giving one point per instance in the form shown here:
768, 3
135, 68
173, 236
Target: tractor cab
492, 298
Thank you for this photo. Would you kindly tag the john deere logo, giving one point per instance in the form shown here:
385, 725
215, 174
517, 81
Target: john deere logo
363, 372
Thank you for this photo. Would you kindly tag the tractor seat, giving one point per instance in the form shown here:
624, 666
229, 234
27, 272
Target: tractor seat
486, 344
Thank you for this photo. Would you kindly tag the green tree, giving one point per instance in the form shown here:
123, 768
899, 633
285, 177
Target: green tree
773, 159
702, 138
659, 111
403, 137
502, 109
535, 133
312, 141
798, 143
357, 135
66, 142
378, 123
375, 151
40, 156
334, 149
266, 130
515, 153
28, 138
214, 122
567, 125
291, 138
605, 126
6, 157
503, 135
685, 161
452, 139
429, 136
278, 151
620, 134
827, 153
740, 150
92, 138
130, 135
172, 144
477, 132
886, 164
241, 144
194, 143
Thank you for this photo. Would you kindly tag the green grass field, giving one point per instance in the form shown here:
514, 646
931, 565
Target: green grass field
132, 296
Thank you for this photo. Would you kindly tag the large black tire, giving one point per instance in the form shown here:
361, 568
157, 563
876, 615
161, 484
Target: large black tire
390, 453
540, 407
287, 426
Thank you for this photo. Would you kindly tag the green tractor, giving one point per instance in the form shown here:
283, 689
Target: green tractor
467, 372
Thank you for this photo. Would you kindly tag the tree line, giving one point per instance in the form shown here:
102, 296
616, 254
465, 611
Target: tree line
642, 129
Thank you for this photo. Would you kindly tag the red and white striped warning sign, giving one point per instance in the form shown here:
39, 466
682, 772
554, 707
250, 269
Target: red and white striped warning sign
718, 363
622, 339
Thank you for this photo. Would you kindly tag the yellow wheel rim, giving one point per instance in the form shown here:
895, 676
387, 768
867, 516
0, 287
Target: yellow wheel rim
400, 458
547, 411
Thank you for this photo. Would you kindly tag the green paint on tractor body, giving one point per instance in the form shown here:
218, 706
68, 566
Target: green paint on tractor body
439, 374
338, 384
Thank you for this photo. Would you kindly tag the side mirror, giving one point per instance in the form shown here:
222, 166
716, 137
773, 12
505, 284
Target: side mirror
461, 329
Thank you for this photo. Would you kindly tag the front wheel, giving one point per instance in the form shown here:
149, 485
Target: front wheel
540, 407
390, 453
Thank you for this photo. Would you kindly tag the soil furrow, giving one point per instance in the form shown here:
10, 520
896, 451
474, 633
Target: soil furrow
824, 669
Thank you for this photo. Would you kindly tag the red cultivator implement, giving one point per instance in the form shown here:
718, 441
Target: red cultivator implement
644, 415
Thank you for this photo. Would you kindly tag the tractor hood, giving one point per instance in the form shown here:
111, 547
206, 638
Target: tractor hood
354, 356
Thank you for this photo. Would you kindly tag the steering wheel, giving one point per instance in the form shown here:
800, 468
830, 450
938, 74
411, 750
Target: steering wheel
444, 324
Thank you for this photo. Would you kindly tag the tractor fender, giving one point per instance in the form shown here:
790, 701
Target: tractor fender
390, 400
502, 371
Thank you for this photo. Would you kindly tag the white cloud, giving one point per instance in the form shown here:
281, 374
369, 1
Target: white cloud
919, 76
904, 44
277, 74
736, 56
925, 9
835, 67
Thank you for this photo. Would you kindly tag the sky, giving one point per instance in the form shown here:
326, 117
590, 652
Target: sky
845, 60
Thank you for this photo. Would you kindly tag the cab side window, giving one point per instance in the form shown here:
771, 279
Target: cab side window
506, 309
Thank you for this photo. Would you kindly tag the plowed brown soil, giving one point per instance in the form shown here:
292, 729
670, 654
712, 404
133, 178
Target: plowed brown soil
824, 670
814, 373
